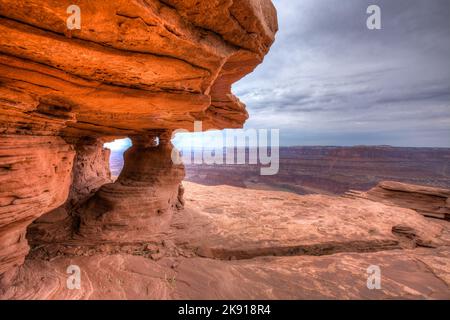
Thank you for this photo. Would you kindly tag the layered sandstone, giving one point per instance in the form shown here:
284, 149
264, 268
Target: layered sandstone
135, 68
277, 246
407, 274
140, 203
35, 176
429, 201
143, 69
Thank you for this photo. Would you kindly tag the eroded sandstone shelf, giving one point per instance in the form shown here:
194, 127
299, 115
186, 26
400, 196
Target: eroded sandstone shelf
429, 201
134, 66
223, 246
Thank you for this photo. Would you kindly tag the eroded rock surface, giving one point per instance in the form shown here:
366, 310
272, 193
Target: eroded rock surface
143, 69
429, 201
90, 171
209, 253
135, 68
141, 202
34, 179
281, 223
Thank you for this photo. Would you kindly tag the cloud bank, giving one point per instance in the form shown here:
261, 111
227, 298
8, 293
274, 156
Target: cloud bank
328, 80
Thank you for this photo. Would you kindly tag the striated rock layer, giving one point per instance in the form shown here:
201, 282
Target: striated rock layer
429, 201
135, 68
331, 170
134, 65
34, 179
140, 203
277, 246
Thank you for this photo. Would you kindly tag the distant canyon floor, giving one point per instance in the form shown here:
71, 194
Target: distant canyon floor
327, 170
235, 243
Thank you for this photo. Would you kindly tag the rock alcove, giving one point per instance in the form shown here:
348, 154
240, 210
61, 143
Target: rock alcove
137, 69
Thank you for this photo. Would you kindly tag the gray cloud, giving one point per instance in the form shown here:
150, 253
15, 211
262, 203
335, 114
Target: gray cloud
330, 80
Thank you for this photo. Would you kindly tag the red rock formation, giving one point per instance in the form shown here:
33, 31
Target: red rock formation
429, 201
90, 171
300, 247
34, 179
142, 69
135, 68
140, 203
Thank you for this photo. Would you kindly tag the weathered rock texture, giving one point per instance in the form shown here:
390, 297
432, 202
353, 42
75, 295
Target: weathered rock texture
34, 179
134, 65
90, 171
136, 68
140, 203
282, 223
429, 201
277, 246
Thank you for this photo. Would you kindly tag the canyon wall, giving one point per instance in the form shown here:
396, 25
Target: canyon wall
330, 170
138, 69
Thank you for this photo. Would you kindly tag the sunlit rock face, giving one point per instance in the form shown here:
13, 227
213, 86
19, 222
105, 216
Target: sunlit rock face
136, 69
133, 66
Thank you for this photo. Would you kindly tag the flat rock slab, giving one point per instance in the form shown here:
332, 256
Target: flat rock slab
233, 223
275, 246
405, 274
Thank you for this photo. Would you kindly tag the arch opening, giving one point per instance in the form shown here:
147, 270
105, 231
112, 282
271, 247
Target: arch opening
117, 147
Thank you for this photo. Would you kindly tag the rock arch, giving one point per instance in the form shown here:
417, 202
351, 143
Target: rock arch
136, 69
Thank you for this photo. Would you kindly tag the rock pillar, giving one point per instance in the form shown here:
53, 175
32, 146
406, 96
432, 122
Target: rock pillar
140, 204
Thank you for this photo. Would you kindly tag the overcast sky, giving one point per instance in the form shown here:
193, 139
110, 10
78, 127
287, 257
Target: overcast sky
328, 80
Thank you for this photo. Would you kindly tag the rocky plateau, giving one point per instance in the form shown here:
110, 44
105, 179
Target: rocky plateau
279, 245
329, 170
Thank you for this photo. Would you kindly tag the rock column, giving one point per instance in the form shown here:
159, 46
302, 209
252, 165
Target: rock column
140, 204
